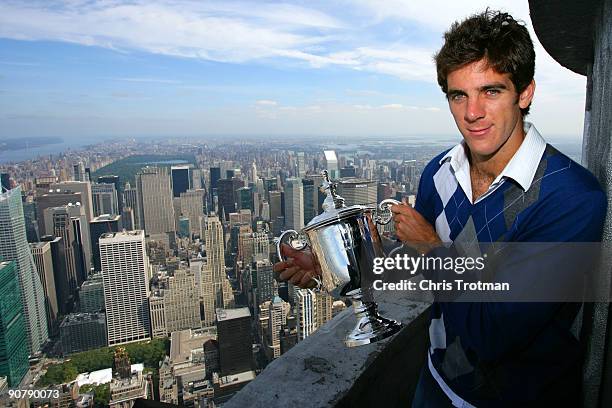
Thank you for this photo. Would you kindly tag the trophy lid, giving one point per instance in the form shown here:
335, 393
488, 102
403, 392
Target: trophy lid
334, 208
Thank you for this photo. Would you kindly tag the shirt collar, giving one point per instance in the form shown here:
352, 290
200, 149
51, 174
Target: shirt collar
521, 168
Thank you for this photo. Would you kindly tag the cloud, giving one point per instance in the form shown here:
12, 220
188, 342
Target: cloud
129, 95
225, 32
235, 32
240, 32
151, 80
391, 38
437, 16
266, 102
398, 107
20, 64
402, 61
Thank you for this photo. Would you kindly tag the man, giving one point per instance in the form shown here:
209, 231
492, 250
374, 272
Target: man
501, 184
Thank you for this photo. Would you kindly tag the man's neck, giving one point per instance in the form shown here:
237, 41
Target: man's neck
484, 169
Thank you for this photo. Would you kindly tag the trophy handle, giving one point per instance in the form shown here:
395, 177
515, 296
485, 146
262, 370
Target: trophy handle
298, 242
383, 206
295, 241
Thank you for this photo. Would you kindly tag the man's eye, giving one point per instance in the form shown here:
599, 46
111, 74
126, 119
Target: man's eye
457, 97
492, 92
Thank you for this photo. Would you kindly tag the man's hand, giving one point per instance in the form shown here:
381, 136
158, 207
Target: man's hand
414, 230
299, 268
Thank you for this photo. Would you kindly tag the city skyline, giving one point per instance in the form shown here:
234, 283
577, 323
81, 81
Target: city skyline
153, 152
360, 68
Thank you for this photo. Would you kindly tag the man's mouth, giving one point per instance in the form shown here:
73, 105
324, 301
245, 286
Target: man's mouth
480, 131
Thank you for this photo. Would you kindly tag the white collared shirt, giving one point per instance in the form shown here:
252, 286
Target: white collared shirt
521, 168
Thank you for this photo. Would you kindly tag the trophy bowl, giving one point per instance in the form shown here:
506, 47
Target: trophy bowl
344, 242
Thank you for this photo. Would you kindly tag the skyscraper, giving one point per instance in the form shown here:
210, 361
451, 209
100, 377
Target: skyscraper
245, 198
125, 274
348, 171
13, 339
192, 206
265, 281
180, 180
158, 315
227, 192
130, 200
358, 191
5, 183
53, 198
300, 164
311, 183
79, 172
253, 246
114, 180
60, 224
65, 296
196, 179
31, 225
82, 331
91, 294
324, 308
182, 302
215, 175
306, 304
270, 184
216, 288
276, 212
97, 227
43, 259
276, 320
331, 163
155, 201
83, 187
294, 204
235, 340
104, 197
14, 247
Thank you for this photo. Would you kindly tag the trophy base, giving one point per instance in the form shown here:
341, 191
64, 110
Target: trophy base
371, 327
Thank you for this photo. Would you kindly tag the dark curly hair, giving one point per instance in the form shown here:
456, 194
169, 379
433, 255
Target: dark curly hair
495, 36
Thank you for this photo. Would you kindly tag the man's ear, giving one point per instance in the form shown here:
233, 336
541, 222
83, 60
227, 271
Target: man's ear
526, 96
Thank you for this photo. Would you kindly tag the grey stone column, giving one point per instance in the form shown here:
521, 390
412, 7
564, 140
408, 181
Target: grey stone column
597, 157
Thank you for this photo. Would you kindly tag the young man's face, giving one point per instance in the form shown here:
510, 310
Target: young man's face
486, 109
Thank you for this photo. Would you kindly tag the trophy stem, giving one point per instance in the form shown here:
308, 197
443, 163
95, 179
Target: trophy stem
371, 326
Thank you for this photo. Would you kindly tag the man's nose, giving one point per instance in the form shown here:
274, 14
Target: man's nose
474, 109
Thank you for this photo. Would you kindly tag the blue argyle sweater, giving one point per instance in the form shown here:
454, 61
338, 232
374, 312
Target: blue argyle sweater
511, 354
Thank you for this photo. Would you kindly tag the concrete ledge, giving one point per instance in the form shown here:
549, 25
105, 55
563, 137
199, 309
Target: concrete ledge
321, 371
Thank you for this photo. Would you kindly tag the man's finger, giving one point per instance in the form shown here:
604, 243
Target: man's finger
311, 284
306, 278
400, 209
288, 251
403, 219
289, 272
280, 266
296, 278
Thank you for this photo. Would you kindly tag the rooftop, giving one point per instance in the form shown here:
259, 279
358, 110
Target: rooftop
105, 218
122, 234
103, 376
183, 342
228, 314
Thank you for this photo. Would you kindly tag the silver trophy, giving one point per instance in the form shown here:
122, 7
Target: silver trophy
344, 242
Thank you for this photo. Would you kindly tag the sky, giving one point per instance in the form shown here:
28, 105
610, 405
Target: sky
338, 68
